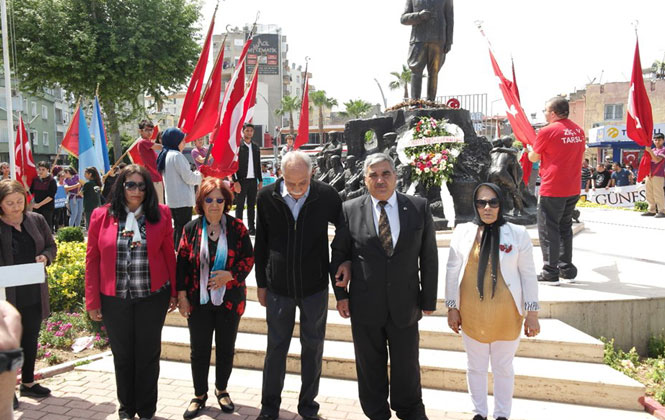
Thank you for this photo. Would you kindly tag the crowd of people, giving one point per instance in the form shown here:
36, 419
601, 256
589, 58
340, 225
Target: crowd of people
147, 256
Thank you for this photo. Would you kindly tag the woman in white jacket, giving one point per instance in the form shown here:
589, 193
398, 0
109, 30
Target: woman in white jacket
490, 286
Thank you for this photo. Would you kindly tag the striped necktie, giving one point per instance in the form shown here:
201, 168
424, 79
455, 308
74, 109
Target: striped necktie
385, 235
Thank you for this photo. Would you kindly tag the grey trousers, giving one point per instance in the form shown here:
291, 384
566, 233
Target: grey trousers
280, 316
555, 231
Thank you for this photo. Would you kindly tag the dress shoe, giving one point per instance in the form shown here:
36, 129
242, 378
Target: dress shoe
225, 402
266, 417
648, 214
659, 215
501, 418
35, 390
15, 402
195, 406
315, 417
552, 281
479, 417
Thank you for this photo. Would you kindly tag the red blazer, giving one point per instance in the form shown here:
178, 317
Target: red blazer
100, 257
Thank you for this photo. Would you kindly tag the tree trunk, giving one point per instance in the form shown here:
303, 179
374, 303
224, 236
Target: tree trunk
321, 139
406, 91
113, 129
293, 133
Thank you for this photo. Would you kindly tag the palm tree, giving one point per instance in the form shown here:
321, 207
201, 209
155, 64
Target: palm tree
356, 108
403, 80
320, 100
287, 106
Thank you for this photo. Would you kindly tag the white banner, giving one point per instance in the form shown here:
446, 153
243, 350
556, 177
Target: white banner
616, 196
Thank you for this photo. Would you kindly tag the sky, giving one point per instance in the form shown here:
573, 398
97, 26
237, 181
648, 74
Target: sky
558, 46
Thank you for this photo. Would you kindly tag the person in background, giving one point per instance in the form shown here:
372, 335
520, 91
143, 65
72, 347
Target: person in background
288, 146
265, 173
490, 286
60, 200
620, 177
215, 256
91, 193
179, 180
199, 153
5, 172
247, 180
602, 177
586, 175
44, 188
74, 196
632, 170
656, 179
130, 285
110, 180
25, 237
148, 152
10, 345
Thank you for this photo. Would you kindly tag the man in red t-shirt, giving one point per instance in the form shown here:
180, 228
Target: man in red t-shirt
560, 148
148, 155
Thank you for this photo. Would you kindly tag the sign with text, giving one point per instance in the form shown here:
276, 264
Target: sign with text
616, 196
265, 52
616, 133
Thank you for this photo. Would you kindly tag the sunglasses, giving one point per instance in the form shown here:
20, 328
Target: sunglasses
131, 185
494, 203
209, 200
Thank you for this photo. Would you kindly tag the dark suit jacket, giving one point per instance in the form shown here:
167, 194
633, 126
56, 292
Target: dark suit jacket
438, 28
243, 158
40, 232
399, 286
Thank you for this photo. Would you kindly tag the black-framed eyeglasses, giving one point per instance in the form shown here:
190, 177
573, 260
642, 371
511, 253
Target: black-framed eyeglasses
148, 128
493, 202
209, 200
131, 185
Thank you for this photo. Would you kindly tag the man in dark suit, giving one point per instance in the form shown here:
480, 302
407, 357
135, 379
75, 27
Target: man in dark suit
247, 180
388, 240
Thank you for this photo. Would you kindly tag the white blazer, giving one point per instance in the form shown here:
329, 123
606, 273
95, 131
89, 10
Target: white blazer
515, 262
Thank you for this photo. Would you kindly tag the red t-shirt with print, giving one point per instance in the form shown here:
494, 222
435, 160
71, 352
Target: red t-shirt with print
561, 148
149, 158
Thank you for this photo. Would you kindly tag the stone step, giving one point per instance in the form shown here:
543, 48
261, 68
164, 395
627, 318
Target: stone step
556, 341
549, 380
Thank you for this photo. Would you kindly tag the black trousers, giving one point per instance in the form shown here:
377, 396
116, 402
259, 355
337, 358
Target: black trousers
134, 327
180, 216
248, 190
47, 212
280, 316
555, 231
202, 323
59, 218
31, 321
372, 368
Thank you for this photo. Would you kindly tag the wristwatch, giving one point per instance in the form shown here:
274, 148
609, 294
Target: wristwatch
11, 360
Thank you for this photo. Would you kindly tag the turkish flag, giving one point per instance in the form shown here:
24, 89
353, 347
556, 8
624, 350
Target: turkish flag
207, 115
134, 154
303, 123
639, 119
25, 164
522, 128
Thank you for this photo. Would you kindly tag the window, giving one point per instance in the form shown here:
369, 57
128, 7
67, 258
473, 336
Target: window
44, 112
45, 138
613, 112
34, 137
33, 110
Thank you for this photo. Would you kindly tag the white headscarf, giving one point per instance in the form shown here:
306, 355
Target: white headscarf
131, 223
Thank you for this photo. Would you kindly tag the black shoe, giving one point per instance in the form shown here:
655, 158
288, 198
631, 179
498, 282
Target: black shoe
314, 417
552, 281
200, 405
34, 391
266, 417
659, 215
479, 417
568, 273
501, 418
15, 402
648, 214
225, 402
124, 416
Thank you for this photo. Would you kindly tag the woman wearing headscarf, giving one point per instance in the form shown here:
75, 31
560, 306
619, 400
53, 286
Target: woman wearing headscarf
214, 258
490, 287
130, 285
179, 180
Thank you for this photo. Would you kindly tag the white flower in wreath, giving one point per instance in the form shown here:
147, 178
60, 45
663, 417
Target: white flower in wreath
455, 152
423, 156
418, 171
438, 156
427, 170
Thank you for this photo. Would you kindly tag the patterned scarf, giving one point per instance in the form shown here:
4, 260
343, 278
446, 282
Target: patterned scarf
217, 295
132, 226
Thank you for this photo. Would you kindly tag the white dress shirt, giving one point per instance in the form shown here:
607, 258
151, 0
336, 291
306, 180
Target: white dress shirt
250, 161
392, 210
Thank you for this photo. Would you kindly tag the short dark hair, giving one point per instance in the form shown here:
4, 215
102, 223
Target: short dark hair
248, 125
11, 186
659, 136
209, 185
70, 170
559, 105
44, 164
146, 123
117, 198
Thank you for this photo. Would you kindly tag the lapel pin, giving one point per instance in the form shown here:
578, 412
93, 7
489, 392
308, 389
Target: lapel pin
404, 208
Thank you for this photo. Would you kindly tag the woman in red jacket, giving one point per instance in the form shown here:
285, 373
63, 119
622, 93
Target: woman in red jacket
130, 285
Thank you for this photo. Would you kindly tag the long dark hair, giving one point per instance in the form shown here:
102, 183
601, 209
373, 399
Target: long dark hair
117, 199
94, 174
489, 242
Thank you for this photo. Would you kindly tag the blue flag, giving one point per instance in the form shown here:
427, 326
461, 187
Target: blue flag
87, 156
99, 137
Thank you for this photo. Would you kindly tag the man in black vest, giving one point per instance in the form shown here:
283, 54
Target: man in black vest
248, 180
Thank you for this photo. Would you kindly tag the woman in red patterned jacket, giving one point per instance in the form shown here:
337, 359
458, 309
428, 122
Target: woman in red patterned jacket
210, 279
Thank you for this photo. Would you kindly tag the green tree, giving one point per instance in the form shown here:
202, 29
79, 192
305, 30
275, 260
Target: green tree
320, 100
287, 106
129, 47
402, 79
356, 108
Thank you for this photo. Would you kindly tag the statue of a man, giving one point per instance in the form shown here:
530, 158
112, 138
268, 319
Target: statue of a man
431, 39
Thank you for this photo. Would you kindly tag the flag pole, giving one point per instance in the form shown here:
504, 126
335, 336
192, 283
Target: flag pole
8, 90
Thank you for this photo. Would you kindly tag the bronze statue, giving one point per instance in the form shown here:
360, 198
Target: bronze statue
506, 172
431, 39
